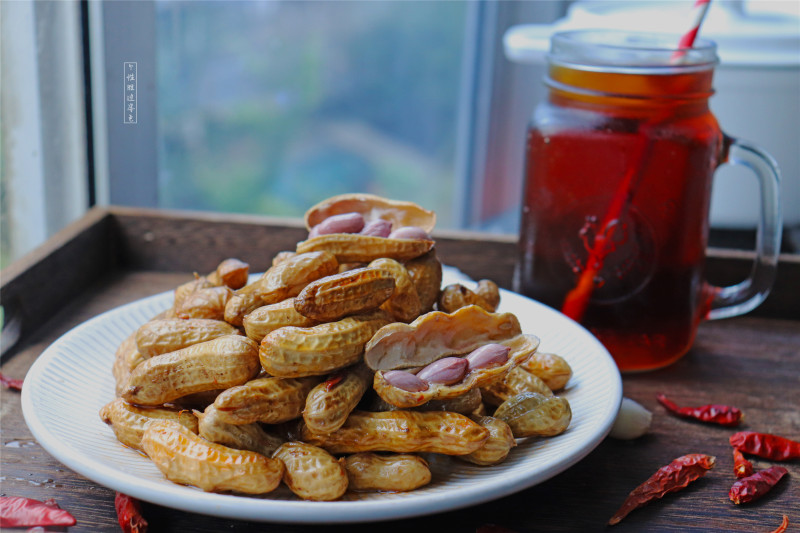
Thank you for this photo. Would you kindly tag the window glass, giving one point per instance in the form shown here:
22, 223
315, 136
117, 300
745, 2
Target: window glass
269, 107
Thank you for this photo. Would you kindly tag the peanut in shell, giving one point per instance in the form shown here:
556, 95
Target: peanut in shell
231, 272
551, 368
188, 459
490, 292
321, 349
121, 369
403, 303
426, 274
386, 473
280, 257
354, 291
456, 296
205, 302
184, 290
241, 303
219, 363
165, 335
283, 280
497, 446
268, 318
354, 247
288, 277
240, 436
330, 403
516, 381
403, 432
311, 472
270, 400
129, 421
532, 414
127, 357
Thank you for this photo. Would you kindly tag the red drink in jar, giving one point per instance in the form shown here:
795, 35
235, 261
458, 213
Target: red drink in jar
619, 165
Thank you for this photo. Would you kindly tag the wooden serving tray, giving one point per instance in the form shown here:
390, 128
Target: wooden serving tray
116, 255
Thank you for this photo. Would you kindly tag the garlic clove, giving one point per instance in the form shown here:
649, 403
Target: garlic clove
632, 421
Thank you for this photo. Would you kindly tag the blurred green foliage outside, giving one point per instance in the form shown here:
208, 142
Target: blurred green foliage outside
269, 107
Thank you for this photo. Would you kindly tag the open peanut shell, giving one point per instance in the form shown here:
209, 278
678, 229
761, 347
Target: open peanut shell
435, 335
521, 348
356, 248
372, 207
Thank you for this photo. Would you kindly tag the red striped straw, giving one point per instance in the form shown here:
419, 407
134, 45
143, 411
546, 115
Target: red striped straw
577, 300
687, 39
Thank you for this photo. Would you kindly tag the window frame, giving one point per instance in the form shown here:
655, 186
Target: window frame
125, 155
44, 140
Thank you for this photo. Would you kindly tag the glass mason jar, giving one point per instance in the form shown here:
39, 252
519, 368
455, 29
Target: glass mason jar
619, 164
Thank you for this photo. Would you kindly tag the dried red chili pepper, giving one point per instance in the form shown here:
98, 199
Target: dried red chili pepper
11, 383
670, 478
129, 514
741, 466
784, 525
753, 487
17, 511
766, 445
333, 381
724, 415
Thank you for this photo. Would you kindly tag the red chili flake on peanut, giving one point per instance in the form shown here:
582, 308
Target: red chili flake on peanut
11, 383
784, 525
17, 511
741, 466
724, 415
751, 488
670, 478
129, 514
766, 445
333, 381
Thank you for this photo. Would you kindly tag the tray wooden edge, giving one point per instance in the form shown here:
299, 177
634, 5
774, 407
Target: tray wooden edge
116, 237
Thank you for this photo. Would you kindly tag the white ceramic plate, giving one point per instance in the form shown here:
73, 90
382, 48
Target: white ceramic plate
69, 383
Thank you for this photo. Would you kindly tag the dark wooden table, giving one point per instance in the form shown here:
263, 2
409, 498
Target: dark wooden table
113, 256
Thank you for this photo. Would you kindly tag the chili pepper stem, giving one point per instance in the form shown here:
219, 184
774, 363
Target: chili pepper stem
783, 526
129, 514
741, 466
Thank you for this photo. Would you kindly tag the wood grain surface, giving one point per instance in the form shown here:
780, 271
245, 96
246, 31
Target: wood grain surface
752, 362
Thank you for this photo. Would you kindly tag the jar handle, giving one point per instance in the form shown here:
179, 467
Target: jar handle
745, 296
